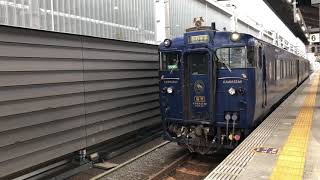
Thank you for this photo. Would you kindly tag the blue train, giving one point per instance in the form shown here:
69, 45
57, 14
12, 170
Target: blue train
216, 87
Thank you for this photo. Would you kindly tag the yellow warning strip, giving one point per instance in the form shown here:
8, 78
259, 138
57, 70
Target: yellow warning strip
291, 160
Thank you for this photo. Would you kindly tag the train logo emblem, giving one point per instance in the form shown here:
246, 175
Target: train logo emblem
199, 87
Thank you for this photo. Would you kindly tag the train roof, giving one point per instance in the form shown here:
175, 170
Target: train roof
216, 38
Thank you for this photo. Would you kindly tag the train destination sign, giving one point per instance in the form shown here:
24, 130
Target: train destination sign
204, 38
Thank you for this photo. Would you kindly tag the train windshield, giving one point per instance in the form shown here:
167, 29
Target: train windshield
198, 63
233, 57
170, 61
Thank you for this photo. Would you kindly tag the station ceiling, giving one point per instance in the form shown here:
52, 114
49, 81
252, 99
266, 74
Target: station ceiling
284, 10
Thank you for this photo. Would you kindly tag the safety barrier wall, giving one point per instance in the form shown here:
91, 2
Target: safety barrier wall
60, 93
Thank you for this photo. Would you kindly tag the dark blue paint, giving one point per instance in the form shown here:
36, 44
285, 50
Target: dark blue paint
262, 89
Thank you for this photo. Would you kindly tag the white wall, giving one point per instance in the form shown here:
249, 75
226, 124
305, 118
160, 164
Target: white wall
252, 17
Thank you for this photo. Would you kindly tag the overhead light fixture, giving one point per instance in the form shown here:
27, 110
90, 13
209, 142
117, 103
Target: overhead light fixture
298, 17
289, 1
116, 8
303, 28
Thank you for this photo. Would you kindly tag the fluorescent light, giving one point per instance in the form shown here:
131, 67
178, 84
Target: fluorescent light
307, 35
116, 8
298, 17
289, 1
303, 28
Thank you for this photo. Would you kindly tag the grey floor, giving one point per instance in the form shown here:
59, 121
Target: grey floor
244, 163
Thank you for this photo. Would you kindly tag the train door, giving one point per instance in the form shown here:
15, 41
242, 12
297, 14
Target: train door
198, 78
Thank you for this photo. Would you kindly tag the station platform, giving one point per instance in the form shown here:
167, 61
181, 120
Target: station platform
286, 145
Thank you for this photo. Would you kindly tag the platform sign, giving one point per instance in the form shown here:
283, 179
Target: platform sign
267, 150
314, 38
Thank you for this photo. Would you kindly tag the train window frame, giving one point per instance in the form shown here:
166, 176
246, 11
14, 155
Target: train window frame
205, 64
220, 60
178, 55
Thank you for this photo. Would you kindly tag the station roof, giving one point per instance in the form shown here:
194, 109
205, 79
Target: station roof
309, 13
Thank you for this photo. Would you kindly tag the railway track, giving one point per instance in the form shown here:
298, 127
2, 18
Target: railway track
167, 161
70, 168
189, 166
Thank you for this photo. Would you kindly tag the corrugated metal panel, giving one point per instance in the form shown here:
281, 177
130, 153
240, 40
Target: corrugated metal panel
245, 28
183, 12
115, 19
221, 19
60, 93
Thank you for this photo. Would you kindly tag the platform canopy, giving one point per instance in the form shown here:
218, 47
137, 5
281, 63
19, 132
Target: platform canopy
307, 22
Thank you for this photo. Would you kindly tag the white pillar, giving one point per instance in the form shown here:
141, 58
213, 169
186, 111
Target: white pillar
160, 18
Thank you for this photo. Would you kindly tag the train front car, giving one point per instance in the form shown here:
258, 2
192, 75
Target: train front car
206, 89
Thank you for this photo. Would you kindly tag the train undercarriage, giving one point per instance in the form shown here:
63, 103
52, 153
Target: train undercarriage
204, 138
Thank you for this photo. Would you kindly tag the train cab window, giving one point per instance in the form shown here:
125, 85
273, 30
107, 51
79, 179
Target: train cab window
170, 61
198, 63
234, 57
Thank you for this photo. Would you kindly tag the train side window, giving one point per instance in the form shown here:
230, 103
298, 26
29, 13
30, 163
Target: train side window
289, 70
290, 67
278, 69
260, 58
275, 69
284, 69
250, 54
234, 57
281, 71
270, 70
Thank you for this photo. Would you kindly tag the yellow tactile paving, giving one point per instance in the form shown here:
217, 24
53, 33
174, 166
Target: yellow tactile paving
291, 160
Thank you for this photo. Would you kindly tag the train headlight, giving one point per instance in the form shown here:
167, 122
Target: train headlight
235, 36
234, 117
167, 43
232, 91
169, 90
227, 117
